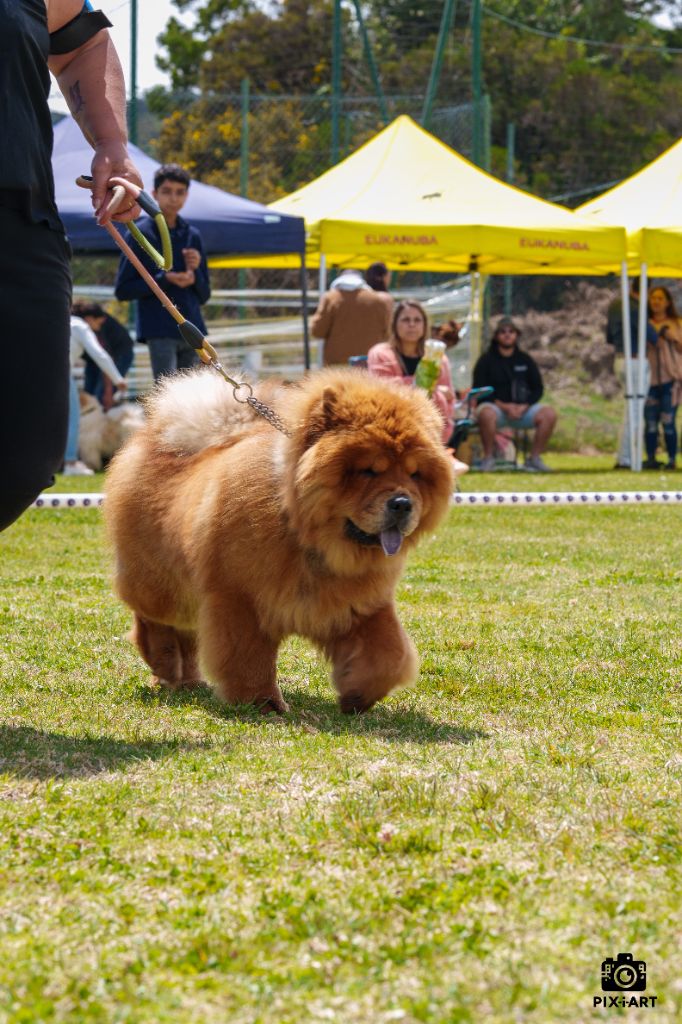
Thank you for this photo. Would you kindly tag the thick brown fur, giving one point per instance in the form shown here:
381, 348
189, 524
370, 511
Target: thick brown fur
230, 536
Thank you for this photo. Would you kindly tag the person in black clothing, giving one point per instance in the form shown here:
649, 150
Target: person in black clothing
186, 283
516, 400
114, 339
70, 40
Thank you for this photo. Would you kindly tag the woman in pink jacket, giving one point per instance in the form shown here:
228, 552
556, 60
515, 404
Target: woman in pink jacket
398, 357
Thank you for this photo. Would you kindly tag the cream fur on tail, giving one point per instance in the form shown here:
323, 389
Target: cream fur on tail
195, 410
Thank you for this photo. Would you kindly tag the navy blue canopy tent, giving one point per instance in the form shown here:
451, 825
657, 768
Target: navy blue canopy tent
228, 223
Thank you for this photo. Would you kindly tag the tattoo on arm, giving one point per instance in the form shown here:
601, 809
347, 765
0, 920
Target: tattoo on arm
77, 101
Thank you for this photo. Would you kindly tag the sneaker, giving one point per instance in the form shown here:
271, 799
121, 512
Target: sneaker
652, 464
671, 465
622, 465
77, 468
534, 464
459, 467
488, 464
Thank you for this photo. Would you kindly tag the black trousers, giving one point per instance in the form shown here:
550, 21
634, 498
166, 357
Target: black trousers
35, 303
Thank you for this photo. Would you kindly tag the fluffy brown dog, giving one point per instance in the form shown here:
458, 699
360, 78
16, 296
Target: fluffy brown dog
229, 536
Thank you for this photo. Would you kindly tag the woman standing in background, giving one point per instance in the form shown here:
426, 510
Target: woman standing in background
665, 389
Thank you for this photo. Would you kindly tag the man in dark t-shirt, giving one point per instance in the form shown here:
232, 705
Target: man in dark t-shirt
516, 400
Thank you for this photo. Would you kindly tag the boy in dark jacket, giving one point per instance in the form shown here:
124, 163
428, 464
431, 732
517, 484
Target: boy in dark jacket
516, 400
187, 284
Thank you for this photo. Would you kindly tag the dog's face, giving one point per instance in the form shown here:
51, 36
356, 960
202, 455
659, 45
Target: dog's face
381, 495
372, 476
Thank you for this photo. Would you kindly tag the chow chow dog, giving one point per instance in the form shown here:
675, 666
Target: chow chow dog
230, 536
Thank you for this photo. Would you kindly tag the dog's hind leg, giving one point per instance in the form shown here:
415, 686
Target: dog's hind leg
162, 648
190, 672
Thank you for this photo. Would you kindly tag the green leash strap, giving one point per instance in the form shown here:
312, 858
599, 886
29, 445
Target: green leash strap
163, 259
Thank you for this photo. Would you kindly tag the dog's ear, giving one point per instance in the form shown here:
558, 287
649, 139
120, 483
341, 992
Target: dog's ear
330, 406
323, 416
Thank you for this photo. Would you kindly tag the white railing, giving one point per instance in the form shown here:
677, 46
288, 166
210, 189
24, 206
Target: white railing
267, 347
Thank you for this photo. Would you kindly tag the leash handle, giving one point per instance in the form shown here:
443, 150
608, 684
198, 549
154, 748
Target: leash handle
163, 259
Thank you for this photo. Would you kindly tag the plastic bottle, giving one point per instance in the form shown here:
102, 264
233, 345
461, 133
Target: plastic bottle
428, 367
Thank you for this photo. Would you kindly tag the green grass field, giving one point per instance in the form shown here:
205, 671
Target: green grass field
471, 850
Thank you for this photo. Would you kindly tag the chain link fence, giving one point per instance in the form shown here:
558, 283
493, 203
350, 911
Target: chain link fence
266, 146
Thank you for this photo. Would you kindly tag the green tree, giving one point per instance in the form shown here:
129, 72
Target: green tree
284, 50
584, 114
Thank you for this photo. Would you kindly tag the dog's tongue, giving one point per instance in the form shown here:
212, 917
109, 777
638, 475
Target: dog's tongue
391, 540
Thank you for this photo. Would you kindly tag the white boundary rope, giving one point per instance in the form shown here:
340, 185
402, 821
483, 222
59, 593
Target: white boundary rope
83, 500
526, 499
481, 499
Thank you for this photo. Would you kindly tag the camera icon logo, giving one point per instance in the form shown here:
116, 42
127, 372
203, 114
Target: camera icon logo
624, 974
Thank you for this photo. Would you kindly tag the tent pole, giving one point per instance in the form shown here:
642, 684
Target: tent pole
304, 312
508, 282
475, 317
484, 301
641, 355
627, 352
322, 287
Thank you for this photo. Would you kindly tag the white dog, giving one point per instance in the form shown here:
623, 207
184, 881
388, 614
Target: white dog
102, 433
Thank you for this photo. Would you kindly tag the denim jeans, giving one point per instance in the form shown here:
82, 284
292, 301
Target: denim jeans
170, 354
659, 408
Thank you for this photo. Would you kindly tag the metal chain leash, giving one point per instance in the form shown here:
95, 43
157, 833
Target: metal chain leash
268, 414
209, 356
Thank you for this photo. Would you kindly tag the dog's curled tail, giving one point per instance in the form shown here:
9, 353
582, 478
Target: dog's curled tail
195, 410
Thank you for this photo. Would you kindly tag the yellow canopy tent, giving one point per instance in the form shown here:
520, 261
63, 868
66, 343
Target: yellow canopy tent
649, 206
407, 199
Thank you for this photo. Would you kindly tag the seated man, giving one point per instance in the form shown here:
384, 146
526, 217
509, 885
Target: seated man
515, 402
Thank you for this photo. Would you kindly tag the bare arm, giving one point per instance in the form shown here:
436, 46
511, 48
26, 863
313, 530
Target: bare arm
88, 342
91, 81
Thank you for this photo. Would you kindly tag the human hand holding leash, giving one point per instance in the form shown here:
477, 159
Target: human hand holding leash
111, 160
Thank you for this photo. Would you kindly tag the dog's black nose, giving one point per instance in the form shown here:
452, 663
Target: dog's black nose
400, 505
